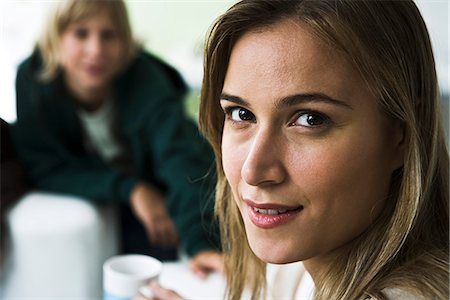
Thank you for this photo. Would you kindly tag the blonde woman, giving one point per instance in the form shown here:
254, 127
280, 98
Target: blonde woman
102, 119
325, 121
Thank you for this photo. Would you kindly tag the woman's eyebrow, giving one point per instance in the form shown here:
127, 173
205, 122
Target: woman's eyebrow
292, 100
235, 99
309, 97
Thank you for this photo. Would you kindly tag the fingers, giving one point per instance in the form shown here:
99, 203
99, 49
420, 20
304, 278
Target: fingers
153, 232
162, 293
161, 231
156, 292
140, 297
149, 206
172, 235
206, 262
145, 293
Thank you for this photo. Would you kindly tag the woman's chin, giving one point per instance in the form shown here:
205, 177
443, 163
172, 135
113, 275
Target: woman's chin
274, 255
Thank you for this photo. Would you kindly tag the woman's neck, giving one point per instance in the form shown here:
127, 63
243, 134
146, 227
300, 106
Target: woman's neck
318, 265
89, 99
91, 105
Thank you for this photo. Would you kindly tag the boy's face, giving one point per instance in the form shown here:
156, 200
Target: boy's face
91, 54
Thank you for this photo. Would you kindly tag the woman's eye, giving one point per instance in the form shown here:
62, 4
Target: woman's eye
311, 119
239, 114
81, 33
108, 35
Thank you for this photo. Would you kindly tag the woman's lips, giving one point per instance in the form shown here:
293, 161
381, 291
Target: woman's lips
95, 70
271, 215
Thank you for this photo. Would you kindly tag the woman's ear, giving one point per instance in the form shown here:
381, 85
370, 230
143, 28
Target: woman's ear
399, 144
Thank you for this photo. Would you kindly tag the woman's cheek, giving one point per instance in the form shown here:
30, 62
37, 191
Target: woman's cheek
231, 163
234, 153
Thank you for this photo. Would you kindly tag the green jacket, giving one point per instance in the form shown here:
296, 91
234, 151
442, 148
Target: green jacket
164, 147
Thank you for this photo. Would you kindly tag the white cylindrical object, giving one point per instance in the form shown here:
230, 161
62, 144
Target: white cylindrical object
58, 246
124, 275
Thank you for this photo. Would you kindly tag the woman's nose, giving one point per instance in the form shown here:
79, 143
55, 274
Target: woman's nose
94, 46
264, 162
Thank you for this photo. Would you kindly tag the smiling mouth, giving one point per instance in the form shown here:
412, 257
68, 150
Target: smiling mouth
267, 216
95, 70
272, 211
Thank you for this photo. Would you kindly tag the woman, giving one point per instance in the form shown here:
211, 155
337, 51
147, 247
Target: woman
100, 118
324, 119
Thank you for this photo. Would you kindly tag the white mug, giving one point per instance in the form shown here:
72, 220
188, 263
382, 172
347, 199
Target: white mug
125, 275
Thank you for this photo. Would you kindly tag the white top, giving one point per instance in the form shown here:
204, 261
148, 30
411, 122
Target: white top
289, 281
292, 281
98, 128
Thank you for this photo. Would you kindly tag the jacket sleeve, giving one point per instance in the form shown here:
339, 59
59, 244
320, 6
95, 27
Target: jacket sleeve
180, 158
46, 139
184, 162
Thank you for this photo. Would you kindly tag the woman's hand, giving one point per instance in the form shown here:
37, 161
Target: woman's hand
206, 262
149, 207
158, 293
202, 264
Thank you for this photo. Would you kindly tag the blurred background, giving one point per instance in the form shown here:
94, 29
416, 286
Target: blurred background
173, 30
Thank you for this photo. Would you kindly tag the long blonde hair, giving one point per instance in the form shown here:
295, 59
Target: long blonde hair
67, 12
388, 44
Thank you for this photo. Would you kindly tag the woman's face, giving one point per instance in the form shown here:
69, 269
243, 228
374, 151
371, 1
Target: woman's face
91, 54
306, 151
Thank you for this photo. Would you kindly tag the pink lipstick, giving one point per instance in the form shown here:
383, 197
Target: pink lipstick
271, 215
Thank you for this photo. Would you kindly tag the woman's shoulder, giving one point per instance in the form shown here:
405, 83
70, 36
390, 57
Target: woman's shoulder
151, 69
30, 66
